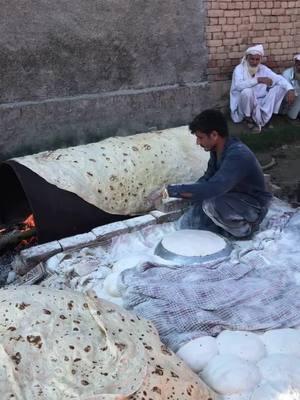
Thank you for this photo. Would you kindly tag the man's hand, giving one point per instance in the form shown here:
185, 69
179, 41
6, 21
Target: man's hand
290, 97
176, 191
173, 190
266, 81
156, 196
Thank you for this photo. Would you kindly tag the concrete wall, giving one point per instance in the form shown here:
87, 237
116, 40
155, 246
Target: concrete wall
74, 71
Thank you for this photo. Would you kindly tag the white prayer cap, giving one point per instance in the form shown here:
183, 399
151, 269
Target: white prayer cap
254, 50
297, 57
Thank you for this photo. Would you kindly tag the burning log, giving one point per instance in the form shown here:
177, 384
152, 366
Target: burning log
12, 236
12, 239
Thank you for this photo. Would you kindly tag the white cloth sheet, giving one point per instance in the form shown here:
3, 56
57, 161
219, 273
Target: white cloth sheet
256, 288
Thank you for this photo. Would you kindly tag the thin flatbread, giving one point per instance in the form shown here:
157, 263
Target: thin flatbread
118, 174
61, 345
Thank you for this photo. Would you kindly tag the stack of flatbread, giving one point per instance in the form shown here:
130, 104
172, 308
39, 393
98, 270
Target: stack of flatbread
57, 345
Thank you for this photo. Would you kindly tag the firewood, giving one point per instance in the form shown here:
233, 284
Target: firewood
11, 239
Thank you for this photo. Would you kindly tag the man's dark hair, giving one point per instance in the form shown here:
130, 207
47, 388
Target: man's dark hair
208, 121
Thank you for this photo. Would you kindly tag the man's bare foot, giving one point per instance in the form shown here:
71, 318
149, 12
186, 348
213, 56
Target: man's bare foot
249, 121
256, 129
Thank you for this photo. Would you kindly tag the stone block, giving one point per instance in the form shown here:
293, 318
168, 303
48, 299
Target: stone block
110, 230
36, 254
141, 222
172, 204
162, 217
78, 241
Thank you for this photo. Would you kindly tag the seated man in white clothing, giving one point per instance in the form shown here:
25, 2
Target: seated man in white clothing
256, 91
292, 75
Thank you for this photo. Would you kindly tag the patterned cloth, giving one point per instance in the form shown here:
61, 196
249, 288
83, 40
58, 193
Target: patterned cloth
256, 288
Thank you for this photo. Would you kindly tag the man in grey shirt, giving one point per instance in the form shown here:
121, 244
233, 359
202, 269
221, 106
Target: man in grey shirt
231, 196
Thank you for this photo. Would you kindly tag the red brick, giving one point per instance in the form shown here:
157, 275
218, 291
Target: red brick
214, 28
278, 11
284, 18
213, 21
265, 12
214, 43
223, 5
231, 13
229, 42
218, 35
215, 13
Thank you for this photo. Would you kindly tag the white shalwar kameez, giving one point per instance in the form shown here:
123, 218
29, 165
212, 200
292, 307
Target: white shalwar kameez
248, 98
293, 110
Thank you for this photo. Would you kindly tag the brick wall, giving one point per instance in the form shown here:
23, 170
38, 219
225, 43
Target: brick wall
234, 25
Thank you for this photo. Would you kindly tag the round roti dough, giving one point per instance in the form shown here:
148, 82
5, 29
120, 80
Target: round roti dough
245, 345
193, 243
118, 174
282, 341
198, 352
281, 368
242, 396
228, 374
63, 345
276, 391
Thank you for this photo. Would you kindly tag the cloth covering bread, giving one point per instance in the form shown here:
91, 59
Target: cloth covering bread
118, 174
58, 345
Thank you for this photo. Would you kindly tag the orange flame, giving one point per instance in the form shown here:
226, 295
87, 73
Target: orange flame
29, 222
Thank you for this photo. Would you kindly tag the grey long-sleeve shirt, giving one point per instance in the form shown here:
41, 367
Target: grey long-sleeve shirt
237, 171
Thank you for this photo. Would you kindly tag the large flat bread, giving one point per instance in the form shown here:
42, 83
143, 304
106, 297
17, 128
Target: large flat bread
59, 345
118, 174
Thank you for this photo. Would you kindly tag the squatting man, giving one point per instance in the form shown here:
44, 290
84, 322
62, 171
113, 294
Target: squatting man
256, 91
231, 196
292, 75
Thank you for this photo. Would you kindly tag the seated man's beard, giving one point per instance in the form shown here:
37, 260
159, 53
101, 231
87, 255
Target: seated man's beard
252, 70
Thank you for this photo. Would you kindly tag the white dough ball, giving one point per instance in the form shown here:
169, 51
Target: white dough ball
241, 396
110, 284
281, 368
245, 345
282, 341
198, 352
228, 374
127, 263
275, 391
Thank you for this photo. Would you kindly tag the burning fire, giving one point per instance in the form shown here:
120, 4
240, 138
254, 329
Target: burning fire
28, 223
18, 236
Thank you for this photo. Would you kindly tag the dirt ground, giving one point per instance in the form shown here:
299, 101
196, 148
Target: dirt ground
285, 172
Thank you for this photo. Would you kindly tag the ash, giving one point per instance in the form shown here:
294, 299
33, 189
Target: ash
6, 266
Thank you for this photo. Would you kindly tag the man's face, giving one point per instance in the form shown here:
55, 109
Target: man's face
254, 60
206, 141
297, 66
